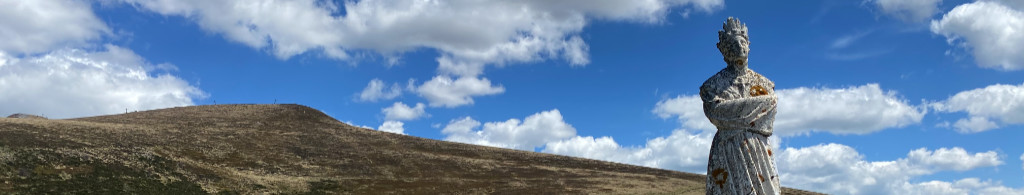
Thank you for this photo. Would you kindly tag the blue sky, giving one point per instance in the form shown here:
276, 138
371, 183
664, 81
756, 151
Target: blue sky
876, 96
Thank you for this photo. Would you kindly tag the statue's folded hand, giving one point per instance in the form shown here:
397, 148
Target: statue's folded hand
740, 110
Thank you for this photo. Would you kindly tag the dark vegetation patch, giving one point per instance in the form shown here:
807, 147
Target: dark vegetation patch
42, 171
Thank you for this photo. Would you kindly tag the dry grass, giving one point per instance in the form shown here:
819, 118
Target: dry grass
289, 149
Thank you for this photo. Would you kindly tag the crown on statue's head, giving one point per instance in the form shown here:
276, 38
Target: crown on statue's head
732, 26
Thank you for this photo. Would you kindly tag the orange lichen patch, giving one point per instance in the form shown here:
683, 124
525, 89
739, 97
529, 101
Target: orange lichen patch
720, 180
759, 176
764, 110
758, 90
769, 152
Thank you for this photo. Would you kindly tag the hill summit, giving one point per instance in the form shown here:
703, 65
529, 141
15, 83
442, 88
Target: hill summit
291, 149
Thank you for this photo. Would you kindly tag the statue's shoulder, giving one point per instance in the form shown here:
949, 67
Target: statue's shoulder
762, 78
707, 84
714, 85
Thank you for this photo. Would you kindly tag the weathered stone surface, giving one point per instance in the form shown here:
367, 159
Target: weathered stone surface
741, 104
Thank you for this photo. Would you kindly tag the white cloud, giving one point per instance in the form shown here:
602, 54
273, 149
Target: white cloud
854, 110
681, 150
463, 126
40, 26
377, 90
983, 105
76, 83
488, 32
534, 131
962, 186
840, 169
355, 125
974, 125
830, 168
287, 28
1022, 159
909, 10
393, 127
847, 40
1015, 4
956, 159
689, 109
990, 29
400, 111
443, 91
603, 148
931, 188
985, 187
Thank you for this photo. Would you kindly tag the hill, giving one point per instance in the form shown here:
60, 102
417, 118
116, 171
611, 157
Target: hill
289, 149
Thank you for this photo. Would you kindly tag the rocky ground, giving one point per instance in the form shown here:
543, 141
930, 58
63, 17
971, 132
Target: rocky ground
288, 149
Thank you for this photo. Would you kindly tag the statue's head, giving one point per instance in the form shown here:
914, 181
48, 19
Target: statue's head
733, 42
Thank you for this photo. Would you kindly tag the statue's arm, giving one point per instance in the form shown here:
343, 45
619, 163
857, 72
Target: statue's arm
741, 109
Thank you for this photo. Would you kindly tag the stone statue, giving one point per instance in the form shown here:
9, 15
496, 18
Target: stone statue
741, 104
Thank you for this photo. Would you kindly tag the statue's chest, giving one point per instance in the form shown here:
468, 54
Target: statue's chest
747, 86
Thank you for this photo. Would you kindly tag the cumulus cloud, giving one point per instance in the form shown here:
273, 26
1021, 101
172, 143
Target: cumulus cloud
989, 29
356, 125
689, 109
977, 186
442, 91
830, 168
400, 111
393, 127
840, 169
40, 26
1015, 4
488, 32
963, 186
853, 110
1001, 102
682, 150
908, 10
377, 90
528, 134
956, 159
76, 83
974, 124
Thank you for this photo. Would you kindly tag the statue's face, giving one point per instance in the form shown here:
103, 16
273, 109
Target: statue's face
735, 47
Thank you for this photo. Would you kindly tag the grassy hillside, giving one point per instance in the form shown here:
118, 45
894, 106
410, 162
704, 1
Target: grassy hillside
289, 149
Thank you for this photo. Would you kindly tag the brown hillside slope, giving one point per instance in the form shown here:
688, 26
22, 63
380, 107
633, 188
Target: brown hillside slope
290, 149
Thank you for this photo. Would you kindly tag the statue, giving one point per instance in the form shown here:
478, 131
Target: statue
741, 104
